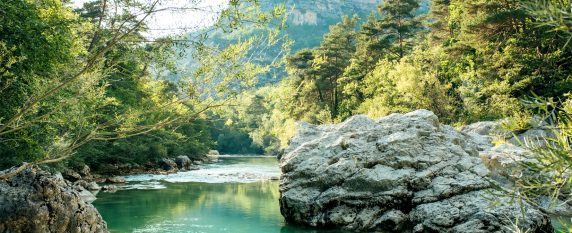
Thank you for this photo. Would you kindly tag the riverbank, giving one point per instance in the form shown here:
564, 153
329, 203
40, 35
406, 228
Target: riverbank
235, 195
236, 175
405, 173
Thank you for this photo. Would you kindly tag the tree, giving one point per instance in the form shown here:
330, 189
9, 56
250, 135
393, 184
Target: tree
308, 90
384, 36
399, 23
316, 72
69, 92
332, 57
407, 85
442, 27
506, 57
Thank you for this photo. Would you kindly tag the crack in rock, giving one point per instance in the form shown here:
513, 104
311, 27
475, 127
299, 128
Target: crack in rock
400, 173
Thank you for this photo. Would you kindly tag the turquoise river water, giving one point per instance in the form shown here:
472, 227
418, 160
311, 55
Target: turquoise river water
234, 195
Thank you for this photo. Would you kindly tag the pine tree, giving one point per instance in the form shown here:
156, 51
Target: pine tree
333, 56
385, 36
439, 15
399, 23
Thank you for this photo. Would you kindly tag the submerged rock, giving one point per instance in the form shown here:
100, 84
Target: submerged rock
36, 201
404, 173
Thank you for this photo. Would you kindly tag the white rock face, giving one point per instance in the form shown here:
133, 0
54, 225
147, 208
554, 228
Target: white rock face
404, 173
36, 201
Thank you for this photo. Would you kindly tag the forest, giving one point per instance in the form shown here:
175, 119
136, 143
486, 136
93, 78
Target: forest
467, 61
98, 87
86, 85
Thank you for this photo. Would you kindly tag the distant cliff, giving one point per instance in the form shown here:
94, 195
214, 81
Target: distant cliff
323, 12
310, 20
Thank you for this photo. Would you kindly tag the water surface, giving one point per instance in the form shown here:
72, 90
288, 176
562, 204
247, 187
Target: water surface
234, 195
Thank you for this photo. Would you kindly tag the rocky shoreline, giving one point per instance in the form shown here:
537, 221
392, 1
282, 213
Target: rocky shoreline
37, 201
34, 200
400, 173
108, 178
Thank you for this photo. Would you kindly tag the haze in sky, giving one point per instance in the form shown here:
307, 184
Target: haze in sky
172, 19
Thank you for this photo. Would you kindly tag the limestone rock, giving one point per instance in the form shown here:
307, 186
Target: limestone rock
183, 162
481, 133
533, 136
85, 173
401, 173
116, 179
213, 155
93, 186
109, 188
502, 160
85, 194
71, 175
36, 201
168, 164
482, 128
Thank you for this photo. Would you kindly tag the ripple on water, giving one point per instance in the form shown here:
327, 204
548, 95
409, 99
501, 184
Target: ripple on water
143, 185
210, 173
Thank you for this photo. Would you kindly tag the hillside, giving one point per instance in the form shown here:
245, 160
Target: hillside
310, 20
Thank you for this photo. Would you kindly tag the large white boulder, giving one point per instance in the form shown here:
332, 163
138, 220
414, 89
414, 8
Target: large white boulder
404, 173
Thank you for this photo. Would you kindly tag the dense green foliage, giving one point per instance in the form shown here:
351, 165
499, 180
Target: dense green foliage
464, 60
32, 59
88, 84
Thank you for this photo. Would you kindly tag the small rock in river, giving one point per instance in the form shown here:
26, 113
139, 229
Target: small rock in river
116, 179
109, 188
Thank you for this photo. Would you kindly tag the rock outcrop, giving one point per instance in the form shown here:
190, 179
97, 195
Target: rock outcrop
213, 155
183, 162
35, 201
402, 173
168, 165
71, 175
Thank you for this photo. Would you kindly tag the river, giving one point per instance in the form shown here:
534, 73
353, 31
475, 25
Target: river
233, 195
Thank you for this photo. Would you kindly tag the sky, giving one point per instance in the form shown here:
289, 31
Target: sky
176, 21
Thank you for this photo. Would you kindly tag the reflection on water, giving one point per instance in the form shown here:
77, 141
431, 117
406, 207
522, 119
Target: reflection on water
199, 206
